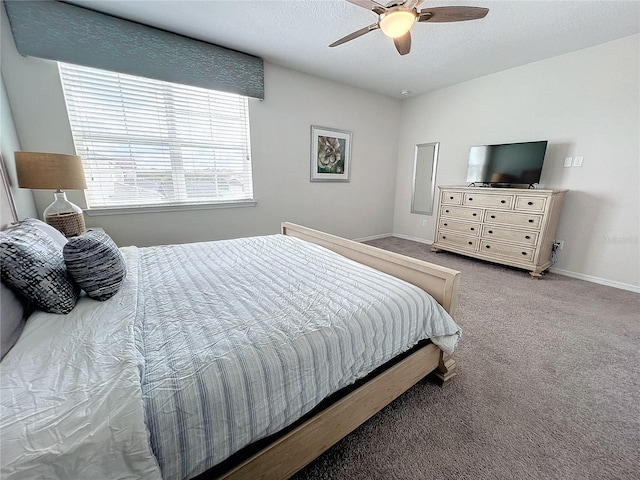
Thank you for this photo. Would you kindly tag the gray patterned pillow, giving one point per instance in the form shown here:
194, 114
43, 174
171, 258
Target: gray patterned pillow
32, 264
95, 264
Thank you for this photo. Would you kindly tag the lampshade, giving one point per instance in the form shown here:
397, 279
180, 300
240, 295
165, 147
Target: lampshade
55, 171
396, 23
51, 171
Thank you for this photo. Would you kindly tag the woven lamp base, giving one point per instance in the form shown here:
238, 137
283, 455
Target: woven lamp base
70, 224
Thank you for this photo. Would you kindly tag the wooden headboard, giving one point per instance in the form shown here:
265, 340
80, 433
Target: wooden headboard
8, 213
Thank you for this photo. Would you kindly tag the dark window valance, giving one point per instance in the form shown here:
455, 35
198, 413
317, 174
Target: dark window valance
72, 34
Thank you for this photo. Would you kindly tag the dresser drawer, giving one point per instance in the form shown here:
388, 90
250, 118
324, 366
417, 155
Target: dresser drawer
459, 241
530, 203
456, 226
509, 234
514, 252
448, 197
509, 218
464, 213
485, 200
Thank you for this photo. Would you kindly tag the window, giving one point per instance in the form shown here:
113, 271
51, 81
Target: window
145, 142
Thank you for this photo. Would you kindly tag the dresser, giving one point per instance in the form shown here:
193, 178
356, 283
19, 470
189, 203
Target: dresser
511, 226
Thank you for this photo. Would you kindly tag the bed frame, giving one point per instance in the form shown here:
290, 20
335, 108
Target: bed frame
286, 455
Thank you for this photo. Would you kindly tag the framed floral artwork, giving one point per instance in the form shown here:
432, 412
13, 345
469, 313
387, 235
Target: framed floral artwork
330, 154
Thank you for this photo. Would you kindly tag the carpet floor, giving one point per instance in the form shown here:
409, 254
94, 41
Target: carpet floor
548, 387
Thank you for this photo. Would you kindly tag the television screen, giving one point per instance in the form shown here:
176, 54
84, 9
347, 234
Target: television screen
509, 163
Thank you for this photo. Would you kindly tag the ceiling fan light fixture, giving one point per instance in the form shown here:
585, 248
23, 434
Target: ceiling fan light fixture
396, 23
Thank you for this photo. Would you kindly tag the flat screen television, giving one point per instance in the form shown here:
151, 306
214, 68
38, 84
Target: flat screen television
506, 164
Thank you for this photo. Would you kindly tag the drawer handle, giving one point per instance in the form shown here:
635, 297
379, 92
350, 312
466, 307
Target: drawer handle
470, 199
443, 237
450, 198
445, 224
526, 236
503, 201
524, 253
447, 211
474, 214
493, 216
472, 229
529, 203
470, 243
490, 231
488, 246
530, 220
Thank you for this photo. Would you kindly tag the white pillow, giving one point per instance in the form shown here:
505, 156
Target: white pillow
55, 234
12, 319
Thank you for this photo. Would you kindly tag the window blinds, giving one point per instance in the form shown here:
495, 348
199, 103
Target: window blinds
146, 142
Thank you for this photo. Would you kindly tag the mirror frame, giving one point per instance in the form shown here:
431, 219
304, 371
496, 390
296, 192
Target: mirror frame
424, 183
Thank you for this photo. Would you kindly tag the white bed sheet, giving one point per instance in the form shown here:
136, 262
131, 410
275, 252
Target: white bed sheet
70, 399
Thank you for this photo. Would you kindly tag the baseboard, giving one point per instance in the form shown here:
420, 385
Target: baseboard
559, 271
598, 280
415, 239
373, 237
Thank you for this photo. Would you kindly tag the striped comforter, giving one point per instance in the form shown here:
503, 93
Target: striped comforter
242, 337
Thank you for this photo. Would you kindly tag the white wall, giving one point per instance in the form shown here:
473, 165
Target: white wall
280, 138
585, 103
9, 143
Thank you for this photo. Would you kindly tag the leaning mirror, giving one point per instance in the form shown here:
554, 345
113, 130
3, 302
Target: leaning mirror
424, 178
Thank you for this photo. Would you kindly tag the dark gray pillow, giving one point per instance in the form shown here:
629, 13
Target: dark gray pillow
12, 318
32, 264
95, 264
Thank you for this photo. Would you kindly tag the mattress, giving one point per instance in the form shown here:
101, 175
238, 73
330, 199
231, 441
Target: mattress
207, 348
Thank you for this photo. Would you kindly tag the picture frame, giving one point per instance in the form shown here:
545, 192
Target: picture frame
330, 154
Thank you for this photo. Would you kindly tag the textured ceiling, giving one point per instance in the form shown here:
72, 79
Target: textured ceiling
296, 34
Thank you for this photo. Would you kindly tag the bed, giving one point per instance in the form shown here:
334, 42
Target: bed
140, 385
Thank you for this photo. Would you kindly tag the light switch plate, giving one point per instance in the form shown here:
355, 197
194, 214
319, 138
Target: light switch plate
577, 161
568, 161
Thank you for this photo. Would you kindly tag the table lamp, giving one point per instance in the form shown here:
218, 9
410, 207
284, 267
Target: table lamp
55, 171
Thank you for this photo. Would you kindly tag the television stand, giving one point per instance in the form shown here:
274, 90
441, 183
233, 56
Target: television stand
511, 226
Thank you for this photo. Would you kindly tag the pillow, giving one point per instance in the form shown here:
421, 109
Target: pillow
53, 232
12, 319
95, 263
32, 264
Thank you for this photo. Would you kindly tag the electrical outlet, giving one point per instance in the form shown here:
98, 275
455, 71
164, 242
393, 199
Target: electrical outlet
568, 161
559, 244
577, 161
424, 223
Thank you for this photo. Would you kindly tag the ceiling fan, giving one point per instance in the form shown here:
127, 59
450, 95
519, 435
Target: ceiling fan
396, 19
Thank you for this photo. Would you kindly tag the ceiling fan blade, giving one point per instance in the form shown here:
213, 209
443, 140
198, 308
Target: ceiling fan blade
403, 43
356, 34
451, 14
370, 5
